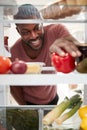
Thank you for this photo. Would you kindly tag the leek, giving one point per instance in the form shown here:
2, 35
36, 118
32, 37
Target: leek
68, 114
59, 109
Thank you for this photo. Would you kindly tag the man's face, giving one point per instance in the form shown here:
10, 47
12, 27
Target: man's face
32, 35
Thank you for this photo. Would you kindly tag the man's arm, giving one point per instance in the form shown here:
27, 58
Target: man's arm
17, 93
69, 44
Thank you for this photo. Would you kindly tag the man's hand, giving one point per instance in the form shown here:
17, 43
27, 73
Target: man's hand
67, 44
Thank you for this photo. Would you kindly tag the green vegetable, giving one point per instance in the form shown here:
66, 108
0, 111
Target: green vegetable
21, 119
74, 100
78, 91
56, 112
59, 109
67, 115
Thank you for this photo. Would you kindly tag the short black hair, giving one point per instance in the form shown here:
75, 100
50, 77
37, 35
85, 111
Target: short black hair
27, 10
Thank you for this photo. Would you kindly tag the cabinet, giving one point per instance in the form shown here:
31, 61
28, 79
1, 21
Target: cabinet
39, 79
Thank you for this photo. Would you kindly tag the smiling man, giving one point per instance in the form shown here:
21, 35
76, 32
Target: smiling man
35, 44
32, 38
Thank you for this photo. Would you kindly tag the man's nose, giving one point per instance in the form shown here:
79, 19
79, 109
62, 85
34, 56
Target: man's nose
33, 34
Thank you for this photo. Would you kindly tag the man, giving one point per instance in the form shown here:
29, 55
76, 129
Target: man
35, 45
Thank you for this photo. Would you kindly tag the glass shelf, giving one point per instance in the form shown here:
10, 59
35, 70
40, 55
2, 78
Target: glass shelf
43, 79
10, 10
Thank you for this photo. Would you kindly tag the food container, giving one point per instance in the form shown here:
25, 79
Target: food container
34, 67
82, 2
71, 2
76, 2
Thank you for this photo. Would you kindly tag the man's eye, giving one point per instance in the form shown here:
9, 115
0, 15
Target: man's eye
38, 27
25, 33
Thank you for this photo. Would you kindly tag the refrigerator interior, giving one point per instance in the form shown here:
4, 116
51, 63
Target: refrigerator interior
77, 29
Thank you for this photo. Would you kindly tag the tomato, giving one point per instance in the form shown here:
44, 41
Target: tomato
5, 64
63, 64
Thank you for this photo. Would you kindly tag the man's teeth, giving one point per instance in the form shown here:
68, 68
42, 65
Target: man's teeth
35, 42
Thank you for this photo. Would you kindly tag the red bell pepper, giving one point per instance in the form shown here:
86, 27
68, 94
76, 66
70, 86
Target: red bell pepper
63, 64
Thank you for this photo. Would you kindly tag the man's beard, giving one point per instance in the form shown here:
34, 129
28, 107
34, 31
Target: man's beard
29, 43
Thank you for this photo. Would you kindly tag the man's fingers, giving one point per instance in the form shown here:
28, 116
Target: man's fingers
73, 50
62, 46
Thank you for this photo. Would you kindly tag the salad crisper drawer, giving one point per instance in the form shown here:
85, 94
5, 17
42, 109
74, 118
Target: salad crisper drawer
30, 117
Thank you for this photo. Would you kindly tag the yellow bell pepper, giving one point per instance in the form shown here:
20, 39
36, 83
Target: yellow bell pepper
83, 111
83, 115
83, 124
